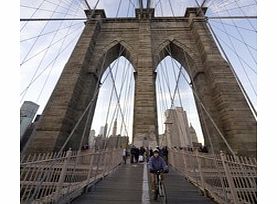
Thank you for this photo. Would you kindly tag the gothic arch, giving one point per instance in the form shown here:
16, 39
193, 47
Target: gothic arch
111, 52
181, 53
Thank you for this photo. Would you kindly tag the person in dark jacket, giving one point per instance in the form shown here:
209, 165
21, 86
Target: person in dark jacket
156, 163
133, 153
165, 154
136, 154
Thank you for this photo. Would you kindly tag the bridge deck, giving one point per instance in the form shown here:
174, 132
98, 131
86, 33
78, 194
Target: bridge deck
125, 186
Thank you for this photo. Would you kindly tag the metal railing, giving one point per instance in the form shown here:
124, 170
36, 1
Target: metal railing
55, 178
225, 178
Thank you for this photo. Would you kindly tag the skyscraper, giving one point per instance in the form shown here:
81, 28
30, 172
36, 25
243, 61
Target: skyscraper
91, 139
114, 128
28, 111
178, 132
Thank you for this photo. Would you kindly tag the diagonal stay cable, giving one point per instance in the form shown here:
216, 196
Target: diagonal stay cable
41, 3
240, 61
116, 111
130, 1
91, 102
233, 70
50, 45
163, 107
218, 5
121, 50
31, 82
45, 25
76, 125
26, 39
166, 79
242, 11
237, 55
179, 96
234, 8
127, 94
40, 63
118, 9
44, 55
208, 114
160, 108
57, 5
118, 100
41, 9
111, 94
216, 21
243, 39
123, 77
234, 50
47, 78
210, 29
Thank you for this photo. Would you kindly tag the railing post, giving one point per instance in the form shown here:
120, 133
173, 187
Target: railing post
104, 163
200, 171
185, 161
90, 166
229, 178
63, 174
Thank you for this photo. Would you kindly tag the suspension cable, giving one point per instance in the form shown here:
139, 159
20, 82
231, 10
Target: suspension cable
214, 124
112, 91
24, 40
240, 61
31, 82
40, 9
215, 21
47, 78
116, 111
242, 38
49, 46
230, 64
127, 93
118, 100
32, 15
45, 25
234, 51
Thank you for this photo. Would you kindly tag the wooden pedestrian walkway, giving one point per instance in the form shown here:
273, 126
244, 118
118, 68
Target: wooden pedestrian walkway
125, 186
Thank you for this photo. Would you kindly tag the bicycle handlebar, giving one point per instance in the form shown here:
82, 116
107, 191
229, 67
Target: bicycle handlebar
158, 171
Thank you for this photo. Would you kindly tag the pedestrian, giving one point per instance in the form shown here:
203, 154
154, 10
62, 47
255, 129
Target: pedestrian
165, 154
150, 152
141, 154
147, 154
133, 153
124, 155
136, 154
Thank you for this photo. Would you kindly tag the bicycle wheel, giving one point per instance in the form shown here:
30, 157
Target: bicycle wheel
156, 193
162, 193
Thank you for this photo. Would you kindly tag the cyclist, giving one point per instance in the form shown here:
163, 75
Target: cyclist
156, 164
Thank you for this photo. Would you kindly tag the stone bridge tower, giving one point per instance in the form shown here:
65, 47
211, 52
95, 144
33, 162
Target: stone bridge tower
145, 40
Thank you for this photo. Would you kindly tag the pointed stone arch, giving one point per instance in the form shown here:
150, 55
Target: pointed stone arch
110, 53
181, 53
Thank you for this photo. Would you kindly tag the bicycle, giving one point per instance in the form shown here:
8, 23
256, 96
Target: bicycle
160, 188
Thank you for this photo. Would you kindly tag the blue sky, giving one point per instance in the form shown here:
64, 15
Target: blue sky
45, 68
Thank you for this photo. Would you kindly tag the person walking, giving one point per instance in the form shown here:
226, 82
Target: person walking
133, 153
165, 154
141, 154
124, 155
136, 154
